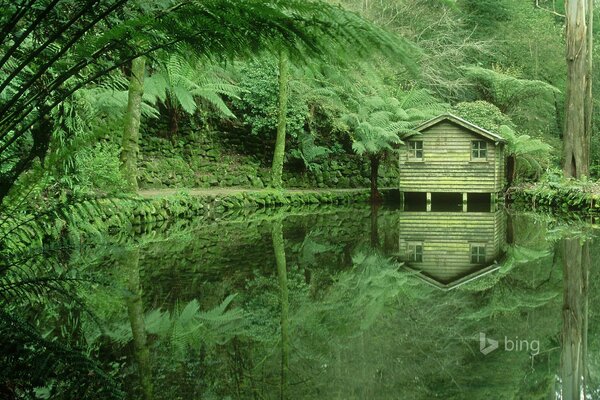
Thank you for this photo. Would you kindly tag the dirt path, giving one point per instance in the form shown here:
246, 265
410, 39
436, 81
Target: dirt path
150, 193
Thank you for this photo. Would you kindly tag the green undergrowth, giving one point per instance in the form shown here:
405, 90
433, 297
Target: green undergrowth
564, 196
94, 219
216, 159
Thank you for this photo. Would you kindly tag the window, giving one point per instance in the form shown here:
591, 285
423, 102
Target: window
477, 254
479, 150
415, 149
415, 252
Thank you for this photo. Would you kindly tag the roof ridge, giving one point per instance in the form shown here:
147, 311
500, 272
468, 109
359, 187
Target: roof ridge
464, 123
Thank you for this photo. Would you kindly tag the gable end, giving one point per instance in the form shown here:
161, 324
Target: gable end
464, 124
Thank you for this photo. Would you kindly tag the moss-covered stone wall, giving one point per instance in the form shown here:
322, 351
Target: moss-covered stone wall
214, 159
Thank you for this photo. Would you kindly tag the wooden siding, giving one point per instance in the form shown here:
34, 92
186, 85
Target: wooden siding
447, 238
447, 164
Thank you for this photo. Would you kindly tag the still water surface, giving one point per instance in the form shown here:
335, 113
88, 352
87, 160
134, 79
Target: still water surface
353, 303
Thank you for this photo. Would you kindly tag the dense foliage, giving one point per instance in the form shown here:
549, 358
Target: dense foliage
100, 98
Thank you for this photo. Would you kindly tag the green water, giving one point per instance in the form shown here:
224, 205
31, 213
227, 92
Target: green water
339, 303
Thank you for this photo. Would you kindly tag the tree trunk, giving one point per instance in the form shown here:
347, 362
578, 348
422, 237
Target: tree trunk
511, 169
173, 119
578, 115
375, 195
131, 132
576, 262
279, 153
279, 250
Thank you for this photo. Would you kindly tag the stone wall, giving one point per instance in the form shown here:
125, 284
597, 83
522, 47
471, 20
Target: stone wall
214, 159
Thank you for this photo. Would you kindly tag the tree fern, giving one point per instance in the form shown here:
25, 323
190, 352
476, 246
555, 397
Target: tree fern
506, 91
379, 123
181, 82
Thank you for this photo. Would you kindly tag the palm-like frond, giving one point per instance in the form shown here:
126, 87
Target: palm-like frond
72, 45
506, 91
187, 326
529, 152
381, 122
180, 82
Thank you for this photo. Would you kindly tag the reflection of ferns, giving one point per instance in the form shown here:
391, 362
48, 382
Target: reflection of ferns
187, 327
30, 362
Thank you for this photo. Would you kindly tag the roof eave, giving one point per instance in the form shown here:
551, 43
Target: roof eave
465, 124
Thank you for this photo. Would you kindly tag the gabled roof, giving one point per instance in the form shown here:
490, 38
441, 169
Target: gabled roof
465, 124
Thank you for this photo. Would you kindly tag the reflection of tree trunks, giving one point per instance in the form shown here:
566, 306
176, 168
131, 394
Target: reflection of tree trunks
279, 250
135, 309
374, 225
576, 262
510, 229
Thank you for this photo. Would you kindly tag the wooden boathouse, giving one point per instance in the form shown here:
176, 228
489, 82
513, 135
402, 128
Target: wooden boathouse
448, 249
452, 156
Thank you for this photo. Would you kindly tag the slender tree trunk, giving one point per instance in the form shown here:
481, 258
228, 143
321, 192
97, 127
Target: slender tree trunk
576, 263
279, 153
173, 119
131, 132
578, 115
511, 169
279, 250
375, 195
135, 309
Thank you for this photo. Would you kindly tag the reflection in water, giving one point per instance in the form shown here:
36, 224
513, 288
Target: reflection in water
375, 225
576, 265
232, 310
128, 260
279, 251
448, 249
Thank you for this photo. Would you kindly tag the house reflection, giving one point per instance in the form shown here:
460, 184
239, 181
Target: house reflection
447, 249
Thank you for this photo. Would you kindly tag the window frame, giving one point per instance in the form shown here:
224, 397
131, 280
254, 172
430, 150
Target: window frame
476, 254
414, 252
477, 149
413, 150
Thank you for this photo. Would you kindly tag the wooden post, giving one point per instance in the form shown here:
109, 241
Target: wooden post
493, 201
401, 201
464, 202
428, 201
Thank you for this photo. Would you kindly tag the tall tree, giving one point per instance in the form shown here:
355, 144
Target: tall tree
279, 153
59, 48
578, 124
130, 145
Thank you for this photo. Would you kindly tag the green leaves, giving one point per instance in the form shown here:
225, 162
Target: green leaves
380, 122
180, 83
506, 91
